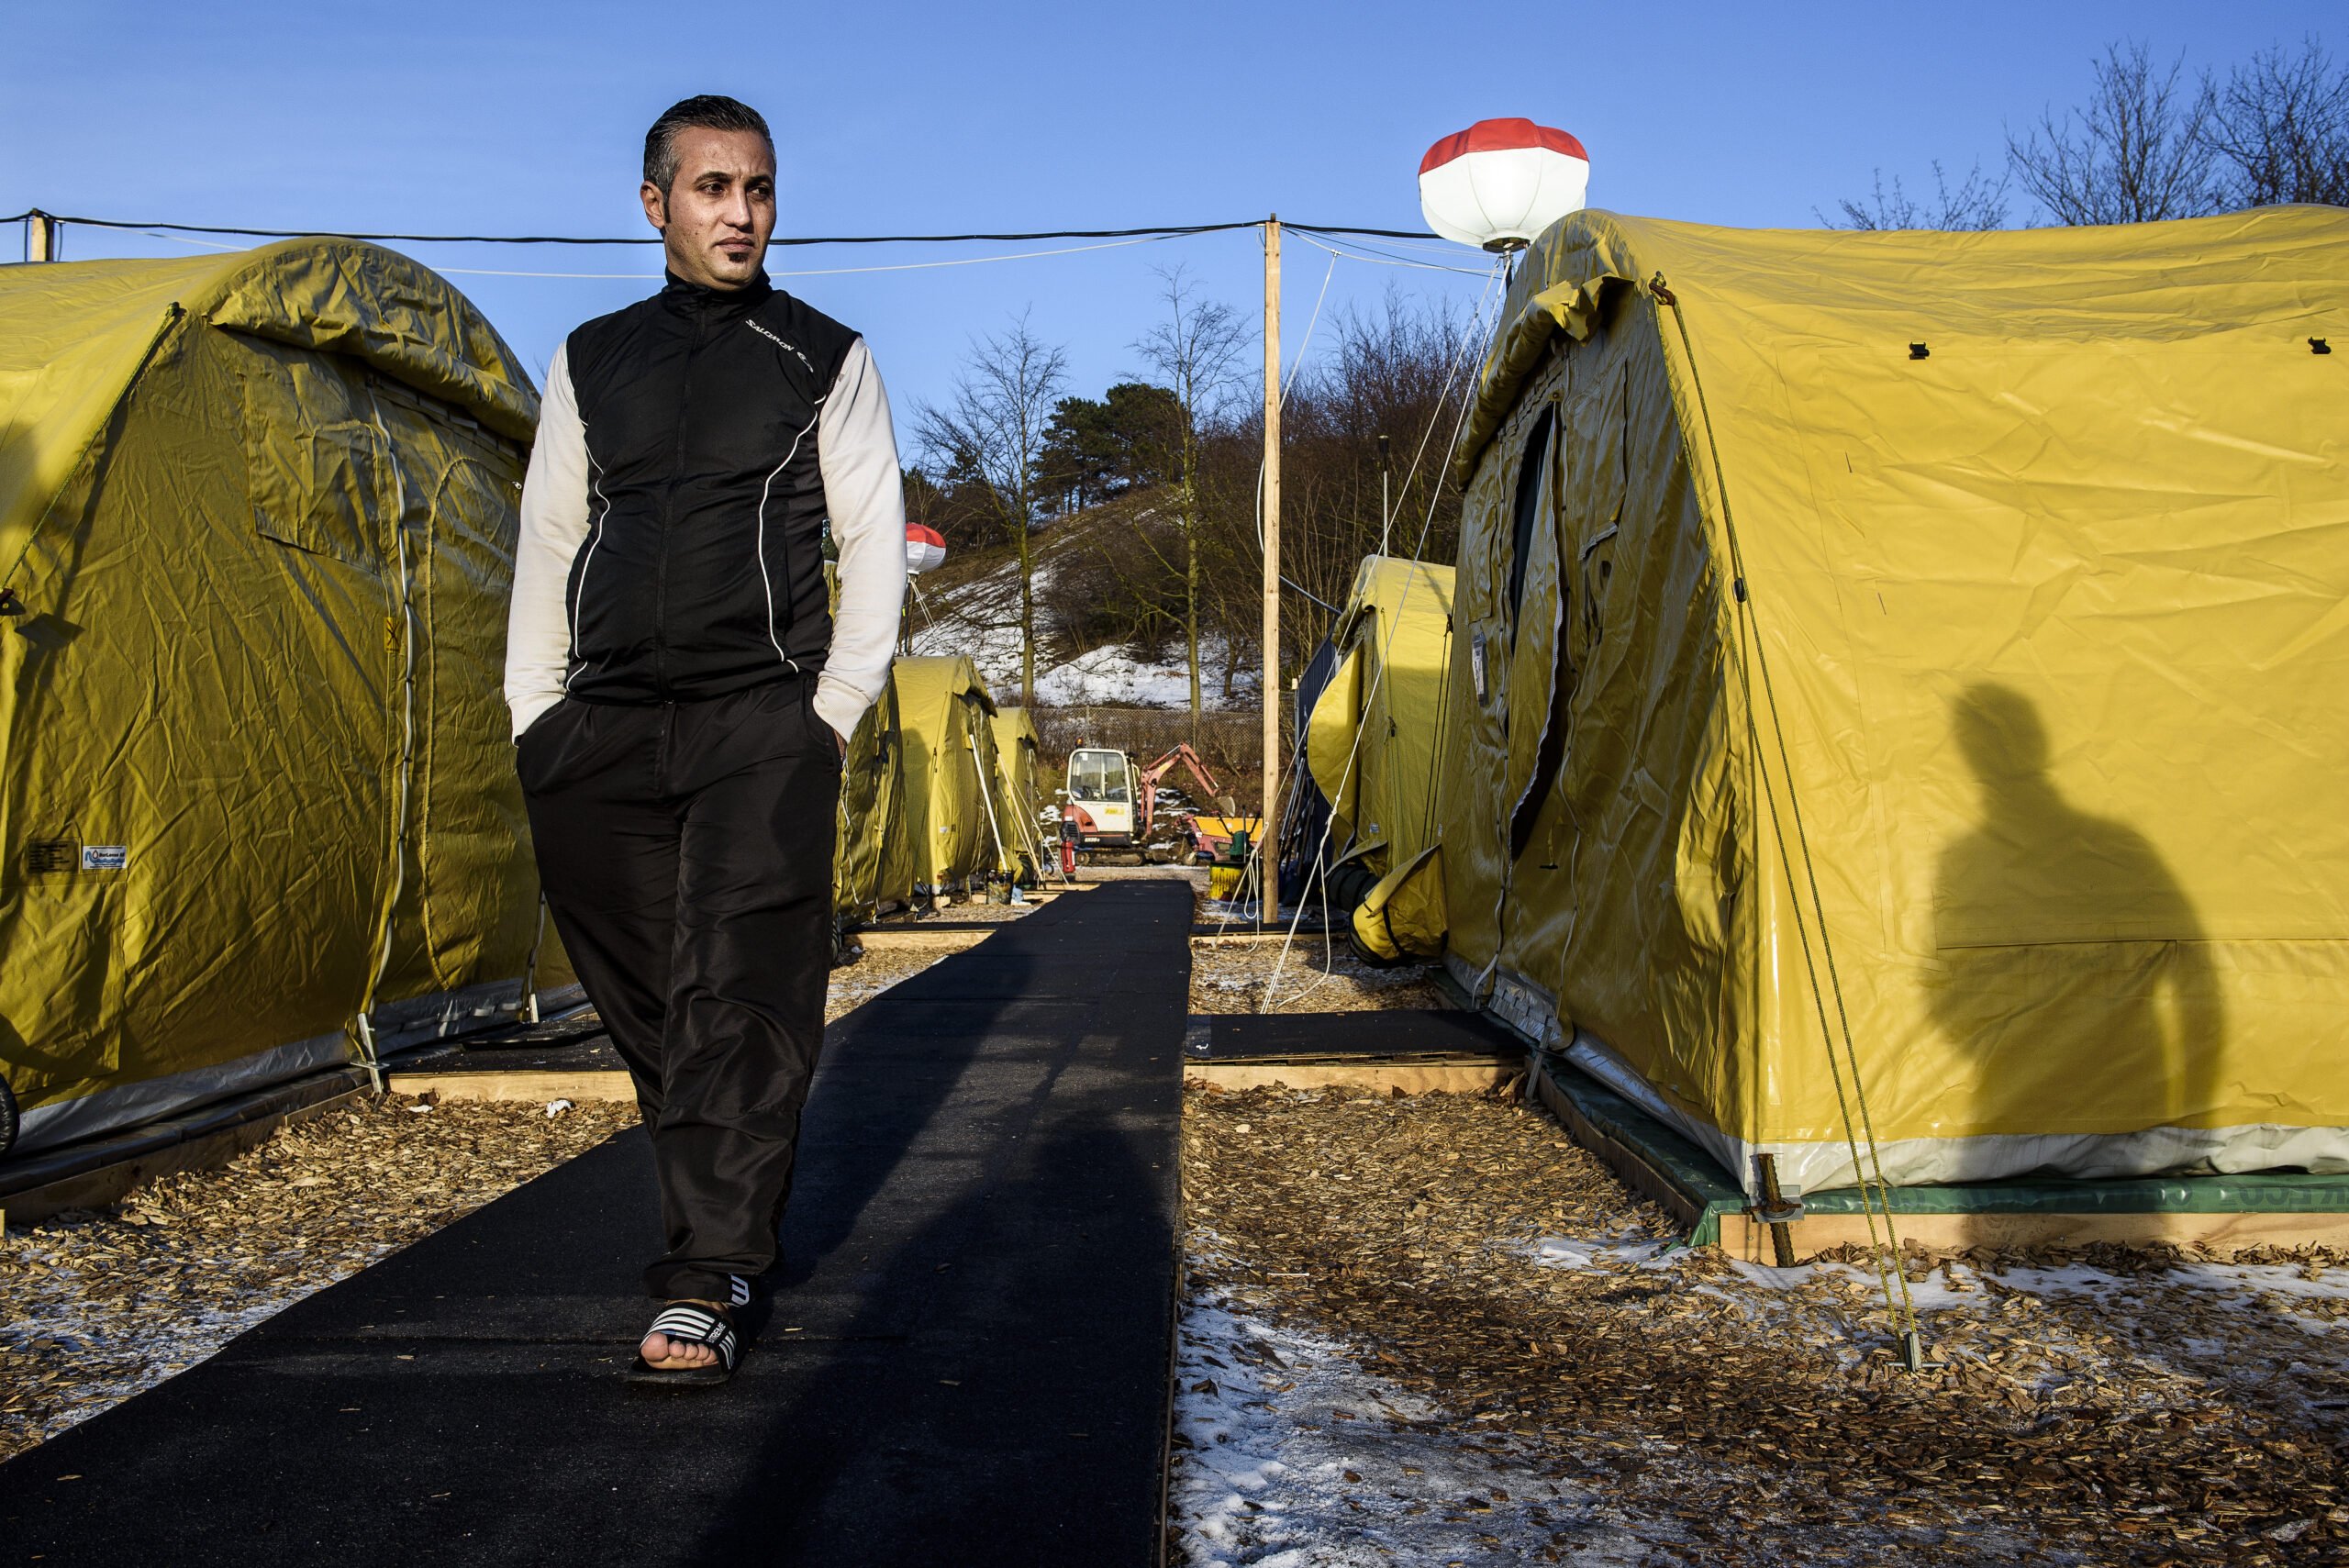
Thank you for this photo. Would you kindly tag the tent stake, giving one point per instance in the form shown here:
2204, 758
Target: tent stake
367, 1057
1775, 1210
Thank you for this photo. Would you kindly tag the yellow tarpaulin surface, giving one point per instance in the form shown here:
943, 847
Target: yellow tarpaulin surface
1931, 647
871, 779
260, 509
1370, 743
1018, 751
943, 717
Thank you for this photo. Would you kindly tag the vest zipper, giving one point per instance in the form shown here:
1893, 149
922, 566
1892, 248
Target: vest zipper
669, 506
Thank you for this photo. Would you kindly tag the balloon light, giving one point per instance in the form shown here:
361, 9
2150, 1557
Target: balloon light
925, 548
1500, 183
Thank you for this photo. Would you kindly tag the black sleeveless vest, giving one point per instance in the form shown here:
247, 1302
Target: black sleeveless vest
702, 571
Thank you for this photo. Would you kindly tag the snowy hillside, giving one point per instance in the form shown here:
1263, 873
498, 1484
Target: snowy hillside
978, 613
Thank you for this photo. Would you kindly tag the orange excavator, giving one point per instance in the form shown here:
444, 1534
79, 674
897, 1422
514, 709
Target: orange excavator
1114, 806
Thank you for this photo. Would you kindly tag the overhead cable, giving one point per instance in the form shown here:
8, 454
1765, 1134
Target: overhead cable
1163, 230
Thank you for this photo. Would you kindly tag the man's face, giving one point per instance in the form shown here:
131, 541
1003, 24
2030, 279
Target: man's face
714, 219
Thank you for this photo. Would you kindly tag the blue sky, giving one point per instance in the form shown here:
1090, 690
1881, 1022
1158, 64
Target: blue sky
932, 117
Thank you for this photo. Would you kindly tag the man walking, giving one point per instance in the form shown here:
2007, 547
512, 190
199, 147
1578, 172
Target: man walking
682, 693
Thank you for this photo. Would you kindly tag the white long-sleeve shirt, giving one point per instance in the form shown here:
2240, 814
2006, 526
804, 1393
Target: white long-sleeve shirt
857, 451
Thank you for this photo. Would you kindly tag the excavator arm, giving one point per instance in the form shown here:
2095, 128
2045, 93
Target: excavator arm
1200, 771
1206, 779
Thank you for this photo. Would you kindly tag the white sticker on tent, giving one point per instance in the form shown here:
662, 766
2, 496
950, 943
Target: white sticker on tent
105, 857
1477, 662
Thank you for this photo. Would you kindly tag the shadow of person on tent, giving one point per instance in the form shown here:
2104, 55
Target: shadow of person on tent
2129, 1038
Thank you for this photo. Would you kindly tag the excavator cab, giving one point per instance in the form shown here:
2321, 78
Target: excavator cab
1101, 794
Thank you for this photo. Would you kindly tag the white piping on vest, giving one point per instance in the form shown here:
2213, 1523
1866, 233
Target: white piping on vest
760, 548
595, 484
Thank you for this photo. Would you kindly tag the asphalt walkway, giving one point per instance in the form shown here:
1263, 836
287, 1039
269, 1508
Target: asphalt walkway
966, 1361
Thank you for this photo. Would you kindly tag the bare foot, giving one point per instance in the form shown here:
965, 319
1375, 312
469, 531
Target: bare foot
664, 1354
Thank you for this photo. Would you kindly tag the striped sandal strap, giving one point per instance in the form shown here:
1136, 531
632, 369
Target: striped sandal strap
699, 1324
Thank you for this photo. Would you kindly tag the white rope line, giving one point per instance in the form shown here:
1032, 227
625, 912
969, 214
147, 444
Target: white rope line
1289, 385
1467, 341
502, 272
1433, 246
831, 272
405, 601
1379, 255
1305, 345
1320, 852
183, 239
1451, 375
1372, 259
218, 248
1353, 752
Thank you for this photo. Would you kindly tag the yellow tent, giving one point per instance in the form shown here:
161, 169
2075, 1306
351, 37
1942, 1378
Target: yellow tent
1918, 658
257, 519
1371, 747
1017, 751
871, 781
946, 816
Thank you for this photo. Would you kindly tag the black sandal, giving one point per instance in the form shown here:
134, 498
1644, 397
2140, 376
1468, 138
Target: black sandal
695, 1324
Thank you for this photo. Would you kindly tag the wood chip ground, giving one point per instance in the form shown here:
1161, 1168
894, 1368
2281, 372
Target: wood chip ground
94, 1307
1316, 975
854, 984
2105, 1406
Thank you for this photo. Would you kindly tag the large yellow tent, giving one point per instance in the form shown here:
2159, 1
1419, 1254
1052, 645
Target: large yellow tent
946, 815
1019, 751
1372, 748
257, 516
1917, 660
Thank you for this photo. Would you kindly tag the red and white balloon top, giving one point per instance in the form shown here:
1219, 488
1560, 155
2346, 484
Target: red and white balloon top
1500, 183
925, 548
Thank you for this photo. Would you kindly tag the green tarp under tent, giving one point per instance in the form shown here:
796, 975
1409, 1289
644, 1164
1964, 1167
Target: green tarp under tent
1897, 684
1018, 753
946, 802
257, 521
1372, 749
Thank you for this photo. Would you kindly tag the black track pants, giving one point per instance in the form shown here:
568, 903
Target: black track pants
686, 852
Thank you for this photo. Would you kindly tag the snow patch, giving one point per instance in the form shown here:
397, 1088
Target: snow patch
1289, 1454
981, 618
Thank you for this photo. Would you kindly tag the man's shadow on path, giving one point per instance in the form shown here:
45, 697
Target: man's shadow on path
1055, 1228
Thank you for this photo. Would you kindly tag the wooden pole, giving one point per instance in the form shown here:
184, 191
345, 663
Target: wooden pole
41, 237
1269, 833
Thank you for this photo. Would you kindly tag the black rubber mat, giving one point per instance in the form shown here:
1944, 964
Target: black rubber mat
585, 1053
965, 1360
1249, 1037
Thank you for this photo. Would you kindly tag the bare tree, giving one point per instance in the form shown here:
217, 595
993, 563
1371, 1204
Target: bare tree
994, 428
1195, 350
2280, 128
1404, 372
1978, 202
2139, 152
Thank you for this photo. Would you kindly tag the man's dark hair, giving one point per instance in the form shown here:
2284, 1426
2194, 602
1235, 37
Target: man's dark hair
710, 111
